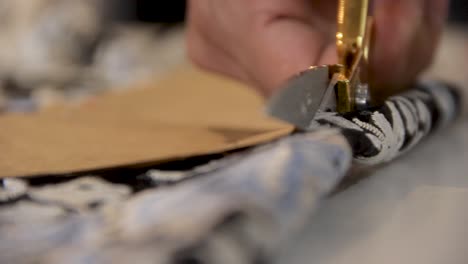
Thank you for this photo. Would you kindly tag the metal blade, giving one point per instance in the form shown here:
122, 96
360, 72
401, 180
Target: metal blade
301, 98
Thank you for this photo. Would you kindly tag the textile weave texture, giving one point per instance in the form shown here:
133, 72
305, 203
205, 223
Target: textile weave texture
239, 209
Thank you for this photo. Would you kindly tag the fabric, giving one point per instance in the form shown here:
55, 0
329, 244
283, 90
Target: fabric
381, 135
240, 209
236, 211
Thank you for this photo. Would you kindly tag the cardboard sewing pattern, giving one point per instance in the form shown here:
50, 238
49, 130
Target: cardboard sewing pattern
188, 113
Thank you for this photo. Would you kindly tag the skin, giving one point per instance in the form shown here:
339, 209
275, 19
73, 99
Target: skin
265, 42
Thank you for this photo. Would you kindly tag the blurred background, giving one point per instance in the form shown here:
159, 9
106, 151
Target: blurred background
53, 50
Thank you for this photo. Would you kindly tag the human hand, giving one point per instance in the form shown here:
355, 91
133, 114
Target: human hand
264, 42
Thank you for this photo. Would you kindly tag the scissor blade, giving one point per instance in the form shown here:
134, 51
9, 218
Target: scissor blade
300, 99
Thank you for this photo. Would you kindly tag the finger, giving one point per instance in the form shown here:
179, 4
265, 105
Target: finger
203, 47
272, 41
407, 34
283, 48
396, 22
211, 56
426, 40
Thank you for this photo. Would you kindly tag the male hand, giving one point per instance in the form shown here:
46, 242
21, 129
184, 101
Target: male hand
265, 42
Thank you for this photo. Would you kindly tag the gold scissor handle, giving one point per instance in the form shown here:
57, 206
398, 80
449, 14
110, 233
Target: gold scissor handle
352, 25
352, 39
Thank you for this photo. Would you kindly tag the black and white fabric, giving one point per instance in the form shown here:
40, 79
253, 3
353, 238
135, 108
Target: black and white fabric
241, 209
382, 134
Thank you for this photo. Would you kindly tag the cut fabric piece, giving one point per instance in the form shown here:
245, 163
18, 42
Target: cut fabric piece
382, 134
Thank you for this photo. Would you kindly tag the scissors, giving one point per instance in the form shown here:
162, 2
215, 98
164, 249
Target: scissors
341, 87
